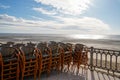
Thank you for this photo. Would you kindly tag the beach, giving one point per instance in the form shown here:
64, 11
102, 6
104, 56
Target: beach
107, 42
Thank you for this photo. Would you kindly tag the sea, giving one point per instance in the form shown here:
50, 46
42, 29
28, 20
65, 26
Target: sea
98, 41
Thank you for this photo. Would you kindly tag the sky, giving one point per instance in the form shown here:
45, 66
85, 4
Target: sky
60, 16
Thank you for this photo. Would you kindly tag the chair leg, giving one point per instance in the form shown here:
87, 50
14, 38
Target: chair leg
62, 63
72, 66
78, 65
39, 74
23, 70
2, 73
59, 63
17, 77
68, 66
35, 76
62, 66
48, 73
35, 73
58, 68
22, 76
49, 68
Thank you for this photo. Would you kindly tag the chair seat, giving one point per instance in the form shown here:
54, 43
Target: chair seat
55, 54
30, 57
9, 59
67, 52
45, 55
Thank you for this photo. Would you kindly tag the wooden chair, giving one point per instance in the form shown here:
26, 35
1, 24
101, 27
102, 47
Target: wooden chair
66, 56
44, 63
18, 47
9, 63
56, 55
84, 56
29, 62
80, 55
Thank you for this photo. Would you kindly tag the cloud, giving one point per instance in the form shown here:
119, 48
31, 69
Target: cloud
18, 22
8, 18
84, 23
36, 18
43, 11
61, 24
4, 6
72, 7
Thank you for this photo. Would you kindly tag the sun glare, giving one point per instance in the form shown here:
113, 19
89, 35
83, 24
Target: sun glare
87, 36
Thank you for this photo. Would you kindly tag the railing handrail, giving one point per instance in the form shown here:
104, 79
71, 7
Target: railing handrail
97, 52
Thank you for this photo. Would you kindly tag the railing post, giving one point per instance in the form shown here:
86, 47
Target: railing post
91, 58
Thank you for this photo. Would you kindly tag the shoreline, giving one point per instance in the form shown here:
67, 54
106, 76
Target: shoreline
112, 45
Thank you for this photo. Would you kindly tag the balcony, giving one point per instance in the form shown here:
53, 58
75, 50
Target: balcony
103, 64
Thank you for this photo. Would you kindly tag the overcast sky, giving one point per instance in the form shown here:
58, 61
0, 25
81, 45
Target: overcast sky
60, 16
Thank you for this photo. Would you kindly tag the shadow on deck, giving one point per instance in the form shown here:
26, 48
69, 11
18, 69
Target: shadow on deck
73, 74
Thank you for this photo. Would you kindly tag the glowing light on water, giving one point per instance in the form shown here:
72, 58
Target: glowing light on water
76, 36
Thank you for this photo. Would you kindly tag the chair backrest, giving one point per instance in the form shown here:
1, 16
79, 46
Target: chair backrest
8, 52
6, 45
43, 47
53, 46
30, 44
79, 47
63, 45
10, 43
85, 49
66, 47
18, 45
28, 50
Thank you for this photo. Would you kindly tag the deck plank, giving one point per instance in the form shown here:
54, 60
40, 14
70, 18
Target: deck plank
74, 75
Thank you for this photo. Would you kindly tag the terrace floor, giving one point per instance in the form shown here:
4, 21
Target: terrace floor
73, 74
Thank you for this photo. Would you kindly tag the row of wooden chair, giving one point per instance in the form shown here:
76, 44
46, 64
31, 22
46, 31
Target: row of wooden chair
20, 60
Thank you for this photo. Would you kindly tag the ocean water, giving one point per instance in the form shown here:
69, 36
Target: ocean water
98, 41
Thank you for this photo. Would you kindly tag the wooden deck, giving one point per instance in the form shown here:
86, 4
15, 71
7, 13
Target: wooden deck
73, 74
